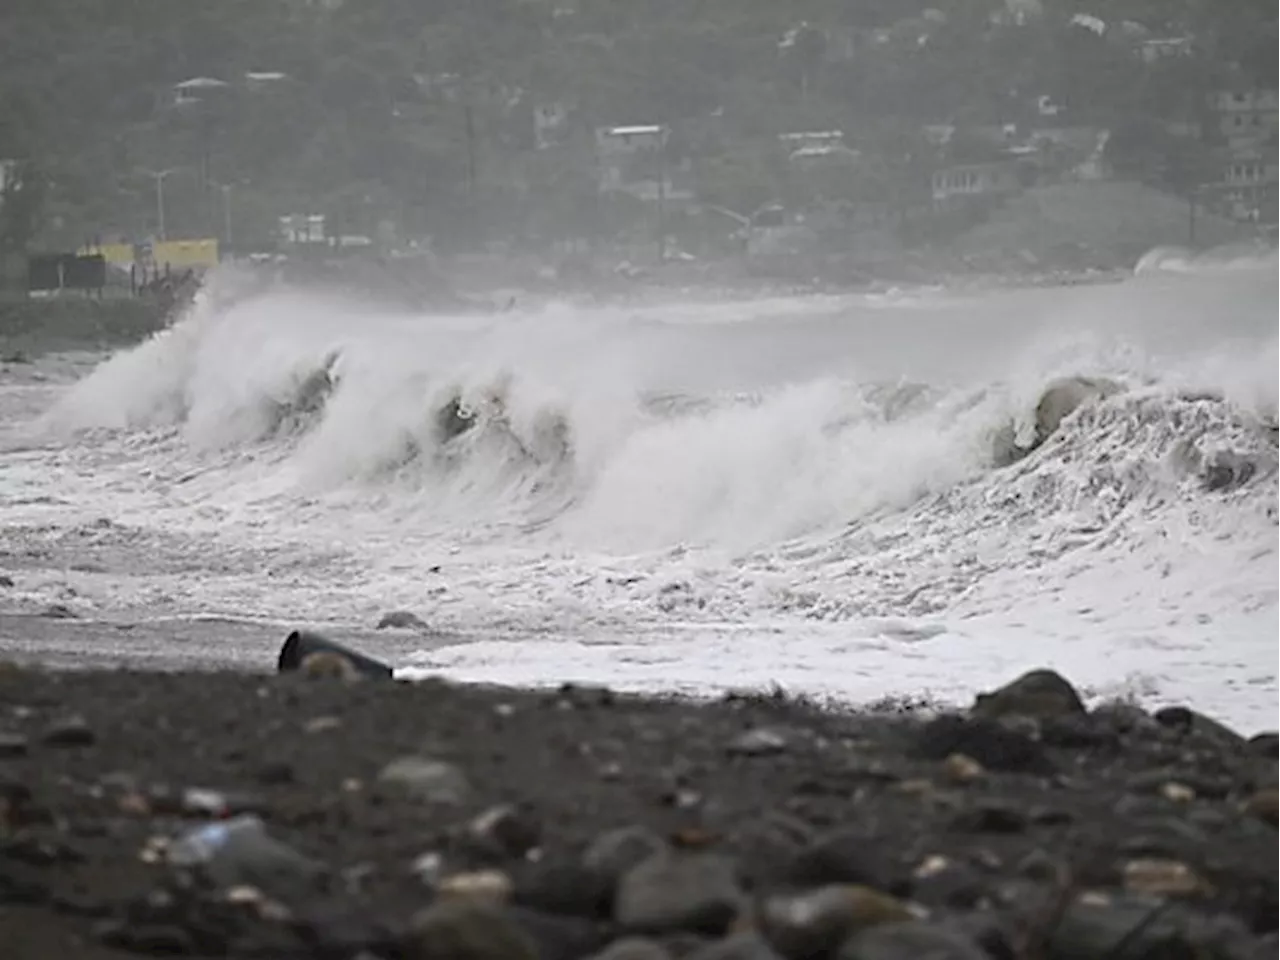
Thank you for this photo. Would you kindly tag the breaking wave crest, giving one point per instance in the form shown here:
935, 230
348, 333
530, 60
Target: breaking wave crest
557, 417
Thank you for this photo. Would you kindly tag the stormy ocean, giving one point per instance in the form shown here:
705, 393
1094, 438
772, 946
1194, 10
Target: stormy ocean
844, 495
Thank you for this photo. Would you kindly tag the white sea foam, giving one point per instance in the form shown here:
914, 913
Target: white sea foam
705, 496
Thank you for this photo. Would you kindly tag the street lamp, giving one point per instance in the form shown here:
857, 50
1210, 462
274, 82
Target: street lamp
226, 189
159, 177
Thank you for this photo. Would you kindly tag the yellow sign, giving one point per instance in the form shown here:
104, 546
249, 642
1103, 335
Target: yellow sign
185, 253
176, 254
120, 254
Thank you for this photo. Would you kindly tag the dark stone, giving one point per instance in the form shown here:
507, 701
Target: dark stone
6, 581
39, 851
401, 620
1040, 694
75, 905
746, 945
992, 816
510, 830
559, 937
915, 940
1204, 785
563, 887
633, 948
70, 732
1144, 928
336, 931
1265, 744
994, 746
816, 922
1124, 717
615, 852
13, 745
759, 742
1078, 732
20, 884
846, 857
148, 939
431, 781
953, 885
693, 891
1187, 722
275, 773
466, 930
585, 696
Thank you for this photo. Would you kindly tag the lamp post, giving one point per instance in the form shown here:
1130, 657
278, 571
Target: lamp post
159, 177
225, 189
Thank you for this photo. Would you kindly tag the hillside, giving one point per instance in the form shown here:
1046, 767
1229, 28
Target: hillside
1092, 224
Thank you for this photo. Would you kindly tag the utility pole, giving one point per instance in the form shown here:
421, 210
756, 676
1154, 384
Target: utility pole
662, 195
225, 189
159, 177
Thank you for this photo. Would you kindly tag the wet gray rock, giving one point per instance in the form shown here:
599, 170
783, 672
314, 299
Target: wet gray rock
1265, 744
1262, 805
1189, 723
914, 940
1078, 731
401, 620
989, 742
70, 732
746, 945
1146, 927
13, 745
992, 816
814, 923
675, 890
508, 830
431, 781
1125, 717
759, 742
1040, 694
466, 930
556, 937
943, 882
1164, 783
614, 853
845, 857
562, 886
633, 948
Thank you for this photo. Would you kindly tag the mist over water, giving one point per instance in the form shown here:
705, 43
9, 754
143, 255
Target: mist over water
696, 496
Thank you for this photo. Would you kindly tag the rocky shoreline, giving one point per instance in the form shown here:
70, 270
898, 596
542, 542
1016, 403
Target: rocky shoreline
301, 815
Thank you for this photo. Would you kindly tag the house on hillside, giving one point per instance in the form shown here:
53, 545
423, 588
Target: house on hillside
1155, 49
1246, 186
959, 183
550, 123
805, 146
1068, 152
635, 160
1245, 118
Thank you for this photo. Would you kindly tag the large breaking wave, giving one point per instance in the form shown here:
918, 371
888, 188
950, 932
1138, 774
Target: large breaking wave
572, 414
1083, 476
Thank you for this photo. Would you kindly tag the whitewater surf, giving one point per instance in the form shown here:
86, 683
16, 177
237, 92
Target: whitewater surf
853, 496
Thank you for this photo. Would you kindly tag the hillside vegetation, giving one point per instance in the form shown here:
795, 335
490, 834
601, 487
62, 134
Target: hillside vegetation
418, 115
